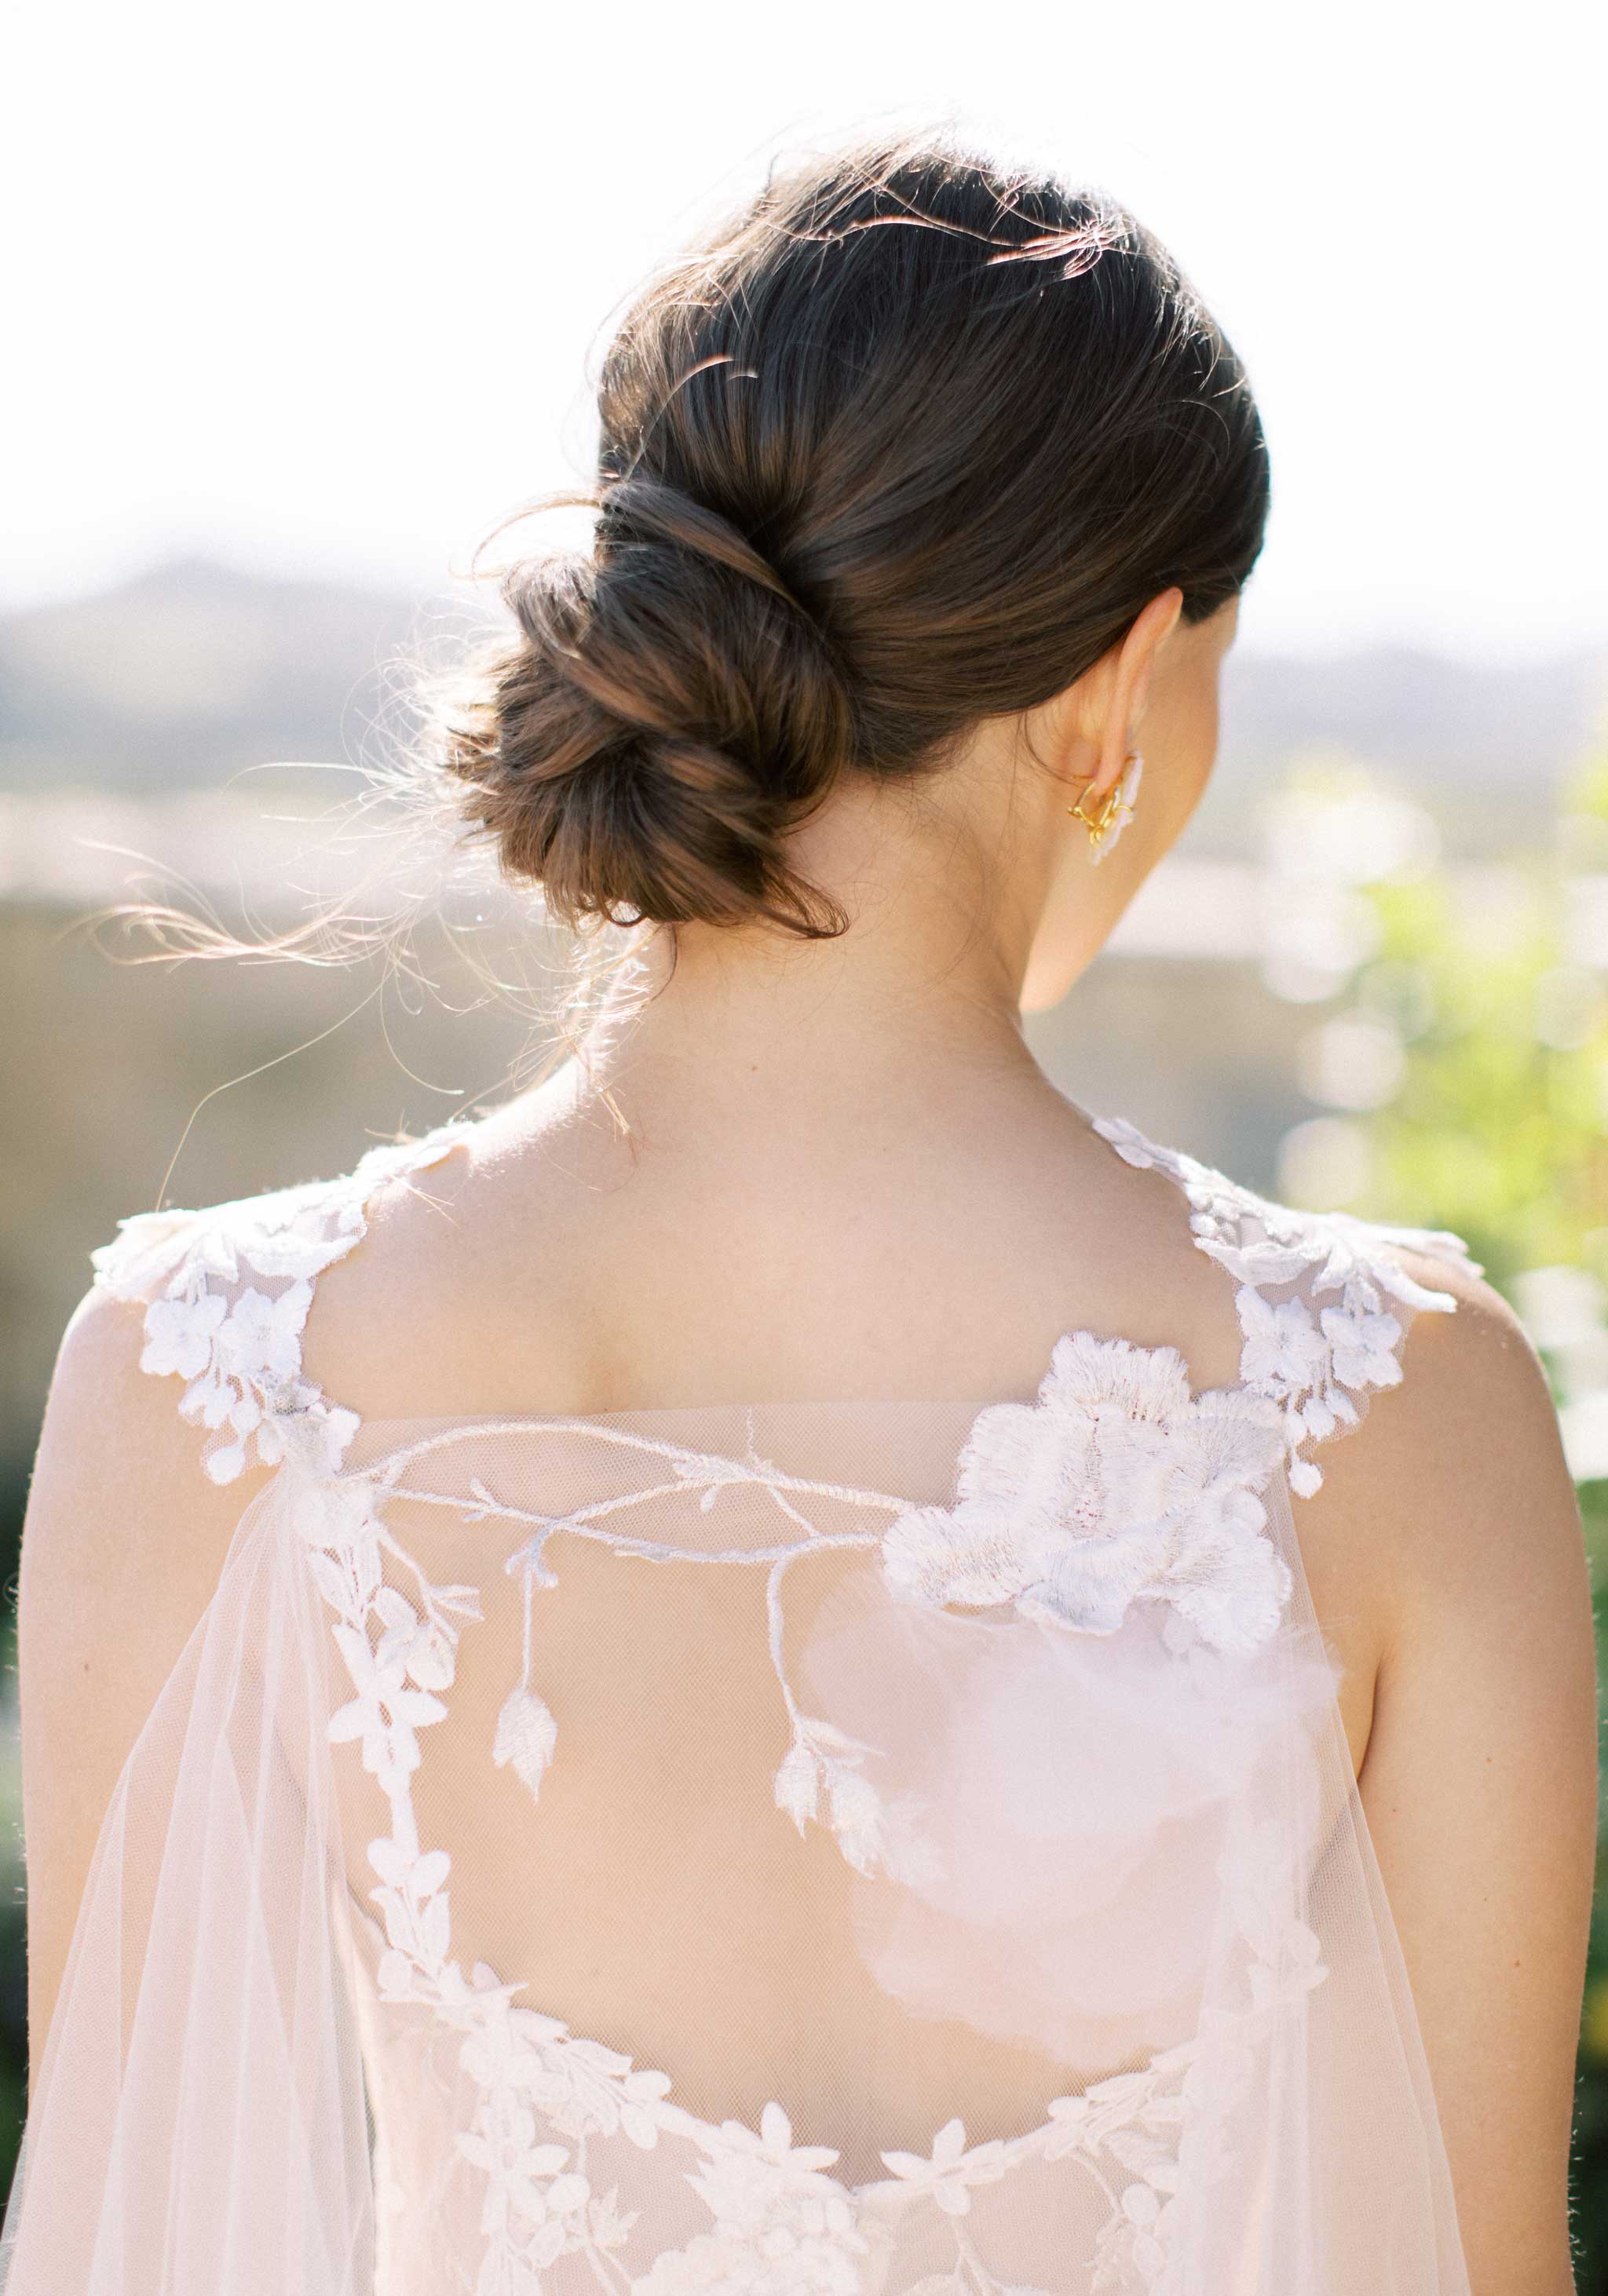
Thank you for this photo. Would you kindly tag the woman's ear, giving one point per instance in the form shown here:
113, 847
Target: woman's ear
1117, 705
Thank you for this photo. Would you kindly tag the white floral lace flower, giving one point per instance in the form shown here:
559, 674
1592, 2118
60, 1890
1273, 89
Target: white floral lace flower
1362, 1347
386, 1710
948, 2177
579, 2085
1143, 2100
417, 1921
180, 1334
1131, 2252
1283, 1350
343, 1516
530, 2189
1118, 1485
209, 1318
503, 2145
584, 2089
1287, 1960
242, 1359
741, 2179
1299, 1969
781, 2226
608, 2225
260, 1338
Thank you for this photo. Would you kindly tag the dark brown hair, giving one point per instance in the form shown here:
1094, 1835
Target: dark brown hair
908, 443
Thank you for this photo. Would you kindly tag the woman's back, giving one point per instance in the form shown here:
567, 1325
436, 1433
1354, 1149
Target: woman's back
883, 1764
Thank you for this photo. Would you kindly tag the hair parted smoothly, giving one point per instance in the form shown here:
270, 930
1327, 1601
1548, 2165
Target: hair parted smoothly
908, 443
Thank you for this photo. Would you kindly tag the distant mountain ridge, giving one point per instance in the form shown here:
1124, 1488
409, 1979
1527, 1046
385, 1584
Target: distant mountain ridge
195, 669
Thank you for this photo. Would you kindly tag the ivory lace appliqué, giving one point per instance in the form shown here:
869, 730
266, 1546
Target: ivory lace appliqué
1317, 1350
227, 1293
1116, 1486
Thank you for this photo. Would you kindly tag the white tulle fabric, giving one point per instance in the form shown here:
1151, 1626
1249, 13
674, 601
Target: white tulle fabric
821, 1850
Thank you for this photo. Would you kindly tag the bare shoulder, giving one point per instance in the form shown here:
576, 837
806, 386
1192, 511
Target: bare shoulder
455, 1269
1466, 1459
1481, 1350
1453, 1499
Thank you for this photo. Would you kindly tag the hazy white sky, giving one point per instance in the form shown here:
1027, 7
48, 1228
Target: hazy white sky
318, 286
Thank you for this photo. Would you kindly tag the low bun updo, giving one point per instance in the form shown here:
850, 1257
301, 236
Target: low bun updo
906, 444
668, 710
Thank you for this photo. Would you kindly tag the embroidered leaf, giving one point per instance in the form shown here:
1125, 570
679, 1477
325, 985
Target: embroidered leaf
435, 1930
526, 1735
429, 1869
429, 1661
799, 1785
856, 1816
334, 1582
388, 1859
855, 1803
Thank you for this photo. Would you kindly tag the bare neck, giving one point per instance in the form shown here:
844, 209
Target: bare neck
921, 993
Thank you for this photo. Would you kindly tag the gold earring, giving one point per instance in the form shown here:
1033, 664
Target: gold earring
1115, 811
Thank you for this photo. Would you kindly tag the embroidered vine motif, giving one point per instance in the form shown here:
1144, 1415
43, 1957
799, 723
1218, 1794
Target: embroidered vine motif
1316, 1351
1118, 1485
822, 1773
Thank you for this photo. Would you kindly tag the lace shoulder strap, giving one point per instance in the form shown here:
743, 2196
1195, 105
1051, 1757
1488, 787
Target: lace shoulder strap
227, 1290
1323, 1300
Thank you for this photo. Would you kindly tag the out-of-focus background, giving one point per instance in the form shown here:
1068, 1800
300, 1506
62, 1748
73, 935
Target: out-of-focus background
310, 299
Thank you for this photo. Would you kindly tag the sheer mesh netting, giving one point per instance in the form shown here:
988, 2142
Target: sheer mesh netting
824, 1850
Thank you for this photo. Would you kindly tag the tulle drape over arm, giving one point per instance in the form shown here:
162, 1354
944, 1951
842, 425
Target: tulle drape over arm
199, 2119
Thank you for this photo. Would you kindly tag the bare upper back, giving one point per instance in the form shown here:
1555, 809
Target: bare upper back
549, 1265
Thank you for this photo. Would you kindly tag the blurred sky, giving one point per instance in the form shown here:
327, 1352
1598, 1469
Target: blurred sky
318, 287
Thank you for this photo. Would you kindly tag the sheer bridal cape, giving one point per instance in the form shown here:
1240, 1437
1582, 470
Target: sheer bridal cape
812, 1850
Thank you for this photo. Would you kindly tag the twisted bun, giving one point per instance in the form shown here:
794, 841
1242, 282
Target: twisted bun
667, 714
858, 488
